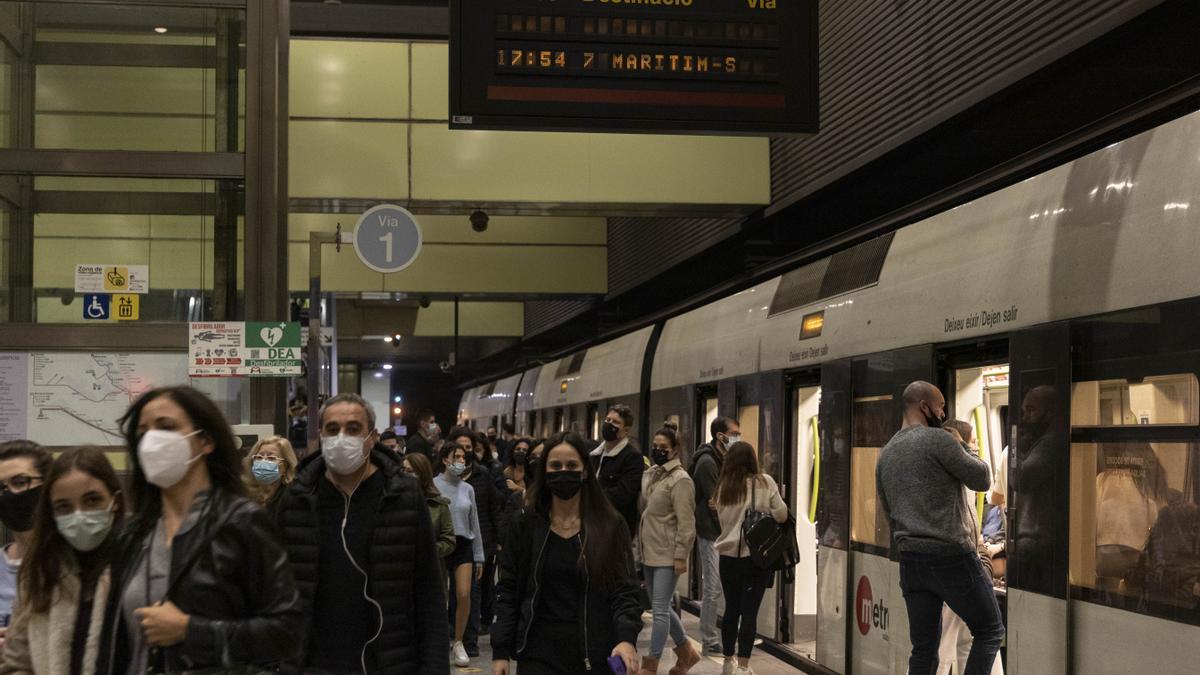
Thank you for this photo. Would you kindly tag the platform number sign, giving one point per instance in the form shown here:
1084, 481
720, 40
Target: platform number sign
387, 238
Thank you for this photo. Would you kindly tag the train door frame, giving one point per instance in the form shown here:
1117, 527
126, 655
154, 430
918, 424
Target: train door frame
793, 381
701, 395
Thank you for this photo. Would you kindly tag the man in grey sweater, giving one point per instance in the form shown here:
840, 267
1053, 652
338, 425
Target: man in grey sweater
920, 479
706, 471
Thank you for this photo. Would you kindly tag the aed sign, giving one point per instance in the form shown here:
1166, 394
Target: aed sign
235, 349
688, 66
112, 279
868, 613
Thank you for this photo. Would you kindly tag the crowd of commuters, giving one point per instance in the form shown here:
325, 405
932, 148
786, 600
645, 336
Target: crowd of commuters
377, 554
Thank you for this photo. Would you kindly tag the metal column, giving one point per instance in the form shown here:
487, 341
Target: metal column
267, 27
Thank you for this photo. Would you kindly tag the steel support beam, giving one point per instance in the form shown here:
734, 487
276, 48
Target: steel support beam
266, 264
20, 234
225, 224
148, 164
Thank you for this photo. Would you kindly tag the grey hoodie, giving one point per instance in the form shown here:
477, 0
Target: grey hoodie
920, 479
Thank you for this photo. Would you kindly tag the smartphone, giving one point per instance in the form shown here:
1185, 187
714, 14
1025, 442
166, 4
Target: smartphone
617, 664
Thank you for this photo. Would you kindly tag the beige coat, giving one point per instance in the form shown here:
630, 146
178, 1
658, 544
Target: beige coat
668, 526
41, 643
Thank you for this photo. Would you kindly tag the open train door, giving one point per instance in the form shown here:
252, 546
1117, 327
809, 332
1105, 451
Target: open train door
1039, 468
833, 515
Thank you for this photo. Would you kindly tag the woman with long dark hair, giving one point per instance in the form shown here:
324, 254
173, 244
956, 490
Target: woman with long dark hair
742, 487
567, 598
64, 578
200, 580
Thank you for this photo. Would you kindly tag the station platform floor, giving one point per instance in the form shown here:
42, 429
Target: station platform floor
761, 662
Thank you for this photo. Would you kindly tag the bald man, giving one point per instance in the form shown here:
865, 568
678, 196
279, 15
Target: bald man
920, 478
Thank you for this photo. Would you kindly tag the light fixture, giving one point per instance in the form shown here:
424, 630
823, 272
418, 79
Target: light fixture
160, 29
387, 339
397, 337
387, 366
398, 399
397, 411
378, 376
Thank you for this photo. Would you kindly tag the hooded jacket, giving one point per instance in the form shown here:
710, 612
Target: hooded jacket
706, 471
404, 568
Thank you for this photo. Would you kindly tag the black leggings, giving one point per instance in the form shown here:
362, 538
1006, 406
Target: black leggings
743, 585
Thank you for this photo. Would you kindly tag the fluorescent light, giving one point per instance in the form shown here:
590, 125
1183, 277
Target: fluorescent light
160, 29
387, 366
387, 339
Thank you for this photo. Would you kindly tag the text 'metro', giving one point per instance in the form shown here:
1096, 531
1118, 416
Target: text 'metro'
690, 66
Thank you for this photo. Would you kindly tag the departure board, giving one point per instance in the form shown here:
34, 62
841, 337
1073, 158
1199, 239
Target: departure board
685, 66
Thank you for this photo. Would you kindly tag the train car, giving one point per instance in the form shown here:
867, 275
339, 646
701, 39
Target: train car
1060, 316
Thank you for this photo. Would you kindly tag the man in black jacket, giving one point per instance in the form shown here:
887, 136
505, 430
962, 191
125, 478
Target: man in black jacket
619, 465
706, 472
352, 516
422, 440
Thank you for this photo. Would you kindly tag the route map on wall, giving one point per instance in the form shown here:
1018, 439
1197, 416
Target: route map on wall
76, 398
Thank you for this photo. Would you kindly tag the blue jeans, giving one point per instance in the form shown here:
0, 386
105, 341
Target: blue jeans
660, 584
710, 578
959, 581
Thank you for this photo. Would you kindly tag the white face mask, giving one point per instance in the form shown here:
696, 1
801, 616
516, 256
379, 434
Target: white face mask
165, 456
85, 530
343, 454
733, 438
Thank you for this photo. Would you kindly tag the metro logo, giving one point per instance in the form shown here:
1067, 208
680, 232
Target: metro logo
867, 612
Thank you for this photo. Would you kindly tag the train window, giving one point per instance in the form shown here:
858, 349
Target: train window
874, 421
1135, 526
1159, 400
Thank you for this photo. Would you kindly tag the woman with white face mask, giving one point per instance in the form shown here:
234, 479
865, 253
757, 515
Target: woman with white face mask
64, 578
465, 563
201, 582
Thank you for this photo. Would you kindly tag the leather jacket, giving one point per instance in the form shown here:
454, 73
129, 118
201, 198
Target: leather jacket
230, 574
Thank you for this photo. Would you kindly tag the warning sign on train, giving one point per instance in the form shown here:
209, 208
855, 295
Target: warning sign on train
112, 279
238, 349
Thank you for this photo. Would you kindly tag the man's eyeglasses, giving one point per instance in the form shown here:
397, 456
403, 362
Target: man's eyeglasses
18, 483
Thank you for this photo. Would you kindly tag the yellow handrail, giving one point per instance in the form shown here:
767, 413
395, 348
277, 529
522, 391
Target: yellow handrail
815, 426
981, 436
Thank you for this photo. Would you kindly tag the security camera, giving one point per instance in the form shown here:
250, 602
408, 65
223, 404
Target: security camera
445, 366
479, 221
425, 302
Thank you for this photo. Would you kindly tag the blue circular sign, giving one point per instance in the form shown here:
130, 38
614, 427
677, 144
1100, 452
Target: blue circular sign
387, 238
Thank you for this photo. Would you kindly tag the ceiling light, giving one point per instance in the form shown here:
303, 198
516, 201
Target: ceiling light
387, 339
160, 29
387, 366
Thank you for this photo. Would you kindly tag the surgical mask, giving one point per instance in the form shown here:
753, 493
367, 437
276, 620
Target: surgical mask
85, 530
660, 457
457, 469
165, 456
935, 422
434, 429
16, 508
343, 454
564, 484
609, 431
266, 473
731, 439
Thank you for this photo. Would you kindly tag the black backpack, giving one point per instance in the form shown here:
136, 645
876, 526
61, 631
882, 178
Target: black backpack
772, 544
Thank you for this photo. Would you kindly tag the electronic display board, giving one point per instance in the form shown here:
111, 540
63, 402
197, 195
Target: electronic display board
686, 66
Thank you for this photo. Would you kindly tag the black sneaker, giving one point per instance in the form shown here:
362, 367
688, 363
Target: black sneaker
472, 651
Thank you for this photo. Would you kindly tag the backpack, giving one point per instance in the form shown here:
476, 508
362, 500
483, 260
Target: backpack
772, 544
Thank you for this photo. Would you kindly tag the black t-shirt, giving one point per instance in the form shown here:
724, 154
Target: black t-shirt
343, 620
554, 639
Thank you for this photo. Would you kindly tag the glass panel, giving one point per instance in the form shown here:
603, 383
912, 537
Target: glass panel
874, 422
172, 226
1159, 400
1135, 526
5, 235
120, 77
748, 421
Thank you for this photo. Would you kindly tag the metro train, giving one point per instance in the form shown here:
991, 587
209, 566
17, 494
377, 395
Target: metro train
1061, 317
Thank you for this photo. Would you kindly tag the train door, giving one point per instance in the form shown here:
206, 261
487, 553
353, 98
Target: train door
878, 631
800, 602
593, 421
559, 421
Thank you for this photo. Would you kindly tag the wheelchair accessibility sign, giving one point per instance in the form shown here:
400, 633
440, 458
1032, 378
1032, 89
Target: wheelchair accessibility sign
96, 306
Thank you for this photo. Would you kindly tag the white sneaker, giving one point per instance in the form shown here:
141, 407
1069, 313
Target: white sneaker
730, 664
460, 655
743, 671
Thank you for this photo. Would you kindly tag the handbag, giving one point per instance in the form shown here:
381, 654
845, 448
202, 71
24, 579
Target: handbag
763, 536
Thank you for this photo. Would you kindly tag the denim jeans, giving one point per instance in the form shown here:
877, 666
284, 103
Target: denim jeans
660, 583
710, 599
962, 584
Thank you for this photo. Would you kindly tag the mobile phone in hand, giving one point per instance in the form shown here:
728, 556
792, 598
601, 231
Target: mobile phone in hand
617, 664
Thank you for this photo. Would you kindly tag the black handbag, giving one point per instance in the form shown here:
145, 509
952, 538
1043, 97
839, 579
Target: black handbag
763, 536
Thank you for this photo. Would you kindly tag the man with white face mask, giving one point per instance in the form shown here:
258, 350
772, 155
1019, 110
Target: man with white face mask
361, 543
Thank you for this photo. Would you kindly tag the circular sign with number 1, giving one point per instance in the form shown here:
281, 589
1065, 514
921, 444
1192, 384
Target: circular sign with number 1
387, 238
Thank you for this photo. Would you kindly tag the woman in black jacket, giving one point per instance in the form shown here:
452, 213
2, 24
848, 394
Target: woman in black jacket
567, 598
200, 582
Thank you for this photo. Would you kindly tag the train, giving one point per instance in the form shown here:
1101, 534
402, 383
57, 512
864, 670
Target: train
1061, 317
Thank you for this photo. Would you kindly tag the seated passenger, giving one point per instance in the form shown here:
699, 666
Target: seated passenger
573, 547
64, 581
1168, 570
200, 579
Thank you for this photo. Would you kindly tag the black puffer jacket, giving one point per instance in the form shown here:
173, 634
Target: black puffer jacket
404, 567
612, 614
230, 574
621, 478
490, 505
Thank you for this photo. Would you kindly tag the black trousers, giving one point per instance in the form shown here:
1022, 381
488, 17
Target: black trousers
744, 586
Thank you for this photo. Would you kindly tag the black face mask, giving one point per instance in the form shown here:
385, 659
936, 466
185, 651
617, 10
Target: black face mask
520, 458
660, 457
935, 422
564, 484
16, 509
609, 431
